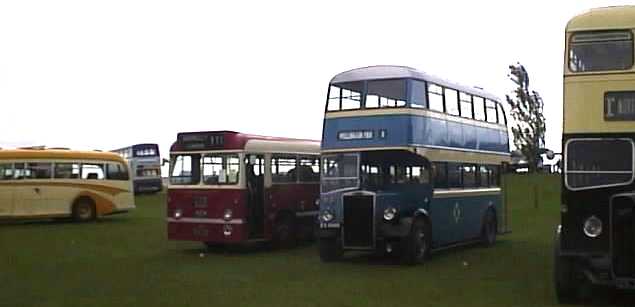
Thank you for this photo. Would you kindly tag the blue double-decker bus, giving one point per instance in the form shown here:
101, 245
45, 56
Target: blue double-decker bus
411, 164
145, 166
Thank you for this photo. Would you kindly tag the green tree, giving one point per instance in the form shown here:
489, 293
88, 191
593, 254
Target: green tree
529, 124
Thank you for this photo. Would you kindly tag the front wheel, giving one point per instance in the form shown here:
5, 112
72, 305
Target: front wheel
416, 246
330, 249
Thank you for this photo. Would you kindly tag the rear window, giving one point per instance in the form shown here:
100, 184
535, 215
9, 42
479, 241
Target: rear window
598, 51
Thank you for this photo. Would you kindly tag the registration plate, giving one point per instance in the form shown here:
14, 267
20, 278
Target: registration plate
200, 231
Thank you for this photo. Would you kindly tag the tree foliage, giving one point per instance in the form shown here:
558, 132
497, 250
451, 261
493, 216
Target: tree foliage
529, 124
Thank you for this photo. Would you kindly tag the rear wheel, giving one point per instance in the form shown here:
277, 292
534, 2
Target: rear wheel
330, 249
490, 227
416, 246
284, 232
84, 211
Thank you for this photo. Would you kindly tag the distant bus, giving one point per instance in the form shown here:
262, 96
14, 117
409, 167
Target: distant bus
230, 187
49, 183
596, 236
411, 163
145, 163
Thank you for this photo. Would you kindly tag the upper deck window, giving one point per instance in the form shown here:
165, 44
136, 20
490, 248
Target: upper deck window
466, 105
451, 101
345, 96
479, 108
598, 51
417, 94
435, 97
386, 93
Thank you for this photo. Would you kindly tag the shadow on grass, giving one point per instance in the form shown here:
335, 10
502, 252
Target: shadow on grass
62, 221
245, 249
393, 259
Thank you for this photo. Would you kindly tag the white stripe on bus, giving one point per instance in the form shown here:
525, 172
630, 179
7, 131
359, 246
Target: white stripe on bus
204, 221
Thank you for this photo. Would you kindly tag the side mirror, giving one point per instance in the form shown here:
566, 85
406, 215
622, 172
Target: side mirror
165, 161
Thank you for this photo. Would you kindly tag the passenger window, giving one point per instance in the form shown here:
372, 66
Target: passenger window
485, 174
501, 115
67, 170
92, 171
6, 171
371, 175
417, 94
451, 101
309, 170
440, 175
435, 97
116, 171
20, 171
39, 170
351, 100
418, 175
454, 175
398, 174
479, 108
466, 105
333, 103
283, 169
495, 176
469, 176
490, 109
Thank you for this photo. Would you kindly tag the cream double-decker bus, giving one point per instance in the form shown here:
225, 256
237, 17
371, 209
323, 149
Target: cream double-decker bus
51, 183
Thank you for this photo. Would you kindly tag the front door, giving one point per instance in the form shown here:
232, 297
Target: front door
255, 175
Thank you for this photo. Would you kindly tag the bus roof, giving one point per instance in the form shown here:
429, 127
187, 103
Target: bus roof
14, 154
379, 72
604, 18
232, 140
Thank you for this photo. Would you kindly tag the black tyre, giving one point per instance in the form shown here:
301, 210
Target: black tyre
84, 211
564, 277
284, 232
330, 249
490, 228
416, 246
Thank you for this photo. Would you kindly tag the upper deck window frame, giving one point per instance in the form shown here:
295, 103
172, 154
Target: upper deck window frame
477, 103
600, 36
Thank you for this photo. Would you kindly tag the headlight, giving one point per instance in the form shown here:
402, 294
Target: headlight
592, 227
317, 202
178, 213
390, 213
326, 216
227, 215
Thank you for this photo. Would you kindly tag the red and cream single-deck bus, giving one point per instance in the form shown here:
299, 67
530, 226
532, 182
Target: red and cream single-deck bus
230, 187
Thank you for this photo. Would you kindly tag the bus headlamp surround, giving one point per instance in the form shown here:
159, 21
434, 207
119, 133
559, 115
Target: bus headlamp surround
227, 215
390, 213
327, 216
592, 227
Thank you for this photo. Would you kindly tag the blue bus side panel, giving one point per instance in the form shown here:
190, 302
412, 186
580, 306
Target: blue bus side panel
447, 229
413, 130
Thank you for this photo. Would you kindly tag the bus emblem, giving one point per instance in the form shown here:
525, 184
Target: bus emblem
456, 212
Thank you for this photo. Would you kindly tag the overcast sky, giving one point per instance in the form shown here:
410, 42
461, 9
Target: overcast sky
106, 74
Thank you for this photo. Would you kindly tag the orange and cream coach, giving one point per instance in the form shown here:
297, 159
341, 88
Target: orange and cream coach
51, 183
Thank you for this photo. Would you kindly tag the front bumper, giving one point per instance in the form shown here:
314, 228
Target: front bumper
385, 230
206, 231
597, 269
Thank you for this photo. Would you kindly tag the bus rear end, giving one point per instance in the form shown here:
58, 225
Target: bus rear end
207, 196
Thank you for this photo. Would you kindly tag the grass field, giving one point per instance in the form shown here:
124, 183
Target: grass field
126, 261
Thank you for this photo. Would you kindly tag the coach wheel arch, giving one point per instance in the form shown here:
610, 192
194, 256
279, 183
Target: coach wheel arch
84, 209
